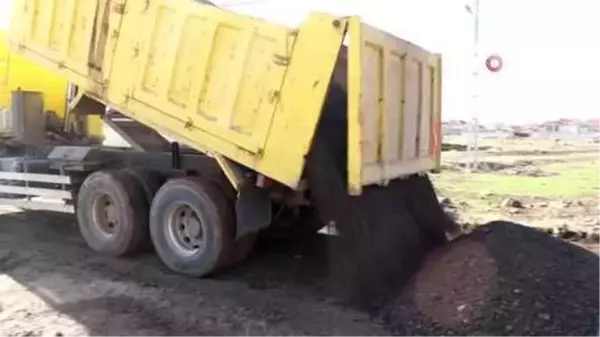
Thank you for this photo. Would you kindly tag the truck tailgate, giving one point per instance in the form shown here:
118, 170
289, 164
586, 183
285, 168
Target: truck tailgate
394, 96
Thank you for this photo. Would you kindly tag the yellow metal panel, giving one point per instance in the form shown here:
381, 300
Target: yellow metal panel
94, 126
393, 103
4, 60
436, 136
355, 122
227, 89
76, 38
244, 88
302, 97
17, 72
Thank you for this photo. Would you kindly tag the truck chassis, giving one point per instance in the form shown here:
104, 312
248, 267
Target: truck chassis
113, 192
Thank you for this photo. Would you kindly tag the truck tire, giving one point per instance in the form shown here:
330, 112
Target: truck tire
112, 213
243, 247
192, 226
149, 180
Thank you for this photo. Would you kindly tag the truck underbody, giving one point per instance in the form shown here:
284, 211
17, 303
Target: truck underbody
385, 231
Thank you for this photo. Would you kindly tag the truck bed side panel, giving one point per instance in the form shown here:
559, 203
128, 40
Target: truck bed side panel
245, 88
208, 68
394, 110
75, 38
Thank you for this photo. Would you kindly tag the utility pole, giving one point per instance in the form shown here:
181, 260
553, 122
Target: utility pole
473, 145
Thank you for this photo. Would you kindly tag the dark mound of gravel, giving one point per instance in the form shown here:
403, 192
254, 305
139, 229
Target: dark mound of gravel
502, 279
386, 231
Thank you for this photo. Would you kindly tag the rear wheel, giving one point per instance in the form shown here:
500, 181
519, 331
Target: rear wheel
243, 247
192, 226
112, 213
150, 181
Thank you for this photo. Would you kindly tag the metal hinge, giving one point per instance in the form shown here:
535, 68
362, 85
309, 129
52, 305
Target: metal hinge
119, 8
281, 60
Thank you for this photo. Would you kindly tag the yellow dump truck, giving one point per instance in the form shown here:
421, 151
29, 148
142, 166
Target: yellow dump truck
331, 123
19, 73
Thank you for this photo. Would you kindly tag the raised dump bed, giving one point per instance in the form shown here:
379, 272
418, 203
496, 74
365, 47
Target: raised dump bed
330, 123
247, 89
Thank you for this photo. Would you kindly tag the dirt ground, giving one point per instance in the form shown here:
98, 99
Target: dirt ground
548, 184
503, 278
52, 284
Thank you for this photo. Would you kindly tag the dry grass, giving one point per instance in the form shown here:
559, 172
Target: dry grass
573, 178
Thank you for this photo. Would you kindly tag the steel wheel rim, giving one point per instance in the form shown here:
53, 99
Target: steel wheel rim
105, 217
185, 230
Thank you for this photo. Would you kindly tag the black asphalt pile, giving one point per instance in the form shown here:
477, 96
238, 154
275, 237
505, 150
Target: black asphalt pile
386, 232
502, 279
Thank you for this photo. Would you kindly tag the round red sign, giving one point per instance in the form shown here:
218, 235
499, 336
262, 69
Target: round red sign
494, 63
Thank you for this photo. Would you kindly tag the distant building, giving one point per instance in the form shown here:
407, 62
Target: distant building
501, 127
454, 127
571, 126
593, 124
530, 128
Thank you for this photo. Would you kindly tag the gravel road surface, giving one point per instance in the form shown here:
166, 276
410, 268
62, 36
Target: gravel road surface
50, 283
502, 279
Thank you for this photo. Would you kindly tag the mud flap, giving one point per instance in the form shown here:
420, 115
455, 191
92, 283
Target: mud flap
253, 210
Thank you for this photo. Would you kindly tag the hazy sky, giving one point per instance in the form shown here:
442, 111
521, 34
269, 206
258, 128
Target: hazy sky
5, 6
551, 48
